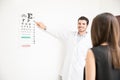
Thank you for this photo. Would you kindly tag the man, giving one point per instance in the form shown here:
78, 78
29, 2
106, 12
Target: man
77, 44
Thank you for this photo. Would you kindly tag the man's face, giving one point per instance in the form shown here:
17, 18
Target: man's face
82, 25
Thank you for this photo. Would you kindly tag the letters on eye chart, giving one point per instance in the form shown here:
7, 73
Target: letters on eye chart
27, 30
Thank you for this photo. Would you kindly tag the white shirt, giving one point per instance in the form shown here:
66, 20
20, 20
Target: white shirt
76, 50
78, 62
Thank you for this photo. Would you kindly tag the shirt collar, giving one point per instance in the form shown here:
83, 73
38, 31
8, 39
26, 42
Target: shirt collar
82, 35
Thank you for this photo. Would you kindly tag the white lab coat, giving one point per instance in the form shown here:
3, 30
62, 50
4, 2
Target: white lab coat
75, 54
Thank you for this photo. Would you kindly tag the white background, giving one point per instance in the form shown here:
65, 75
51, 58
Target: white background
43, 60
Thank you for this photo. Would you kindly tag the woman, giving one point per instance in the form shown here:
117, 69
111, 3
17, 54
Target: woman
103, 60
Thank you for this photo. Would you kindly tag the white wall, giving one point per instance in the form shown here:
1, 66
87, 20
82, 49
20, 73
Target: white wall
42, 60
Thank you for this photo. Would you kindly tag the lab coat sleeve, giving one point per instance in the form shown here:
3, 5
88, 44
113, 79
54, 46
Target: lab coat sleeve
59, 34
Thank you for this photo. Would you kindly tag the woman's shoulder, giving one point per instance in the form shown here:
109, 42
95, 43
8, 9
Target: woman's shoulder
100, 50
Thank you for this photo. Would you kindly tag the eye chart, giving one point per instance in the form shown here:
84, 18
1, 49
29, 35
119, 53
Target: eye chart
27, 30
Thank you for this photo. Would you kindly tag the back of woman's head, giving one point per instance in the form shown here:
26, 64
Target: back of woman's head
105, 28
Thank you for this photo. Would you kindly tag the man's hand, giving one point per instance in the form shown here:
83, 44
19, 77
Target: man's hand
41, 25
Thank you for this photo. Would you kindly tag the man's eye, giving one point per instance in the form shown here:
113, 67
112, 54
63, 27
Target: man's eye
79, 23
83, 23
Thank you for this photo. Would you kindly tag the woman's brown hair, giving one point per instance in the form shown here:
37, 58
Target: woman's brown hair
105, 28
118, 18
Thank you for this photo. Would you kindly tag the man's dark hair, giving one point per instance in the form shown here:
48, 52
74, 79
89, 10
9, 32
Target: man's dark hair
84, 18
